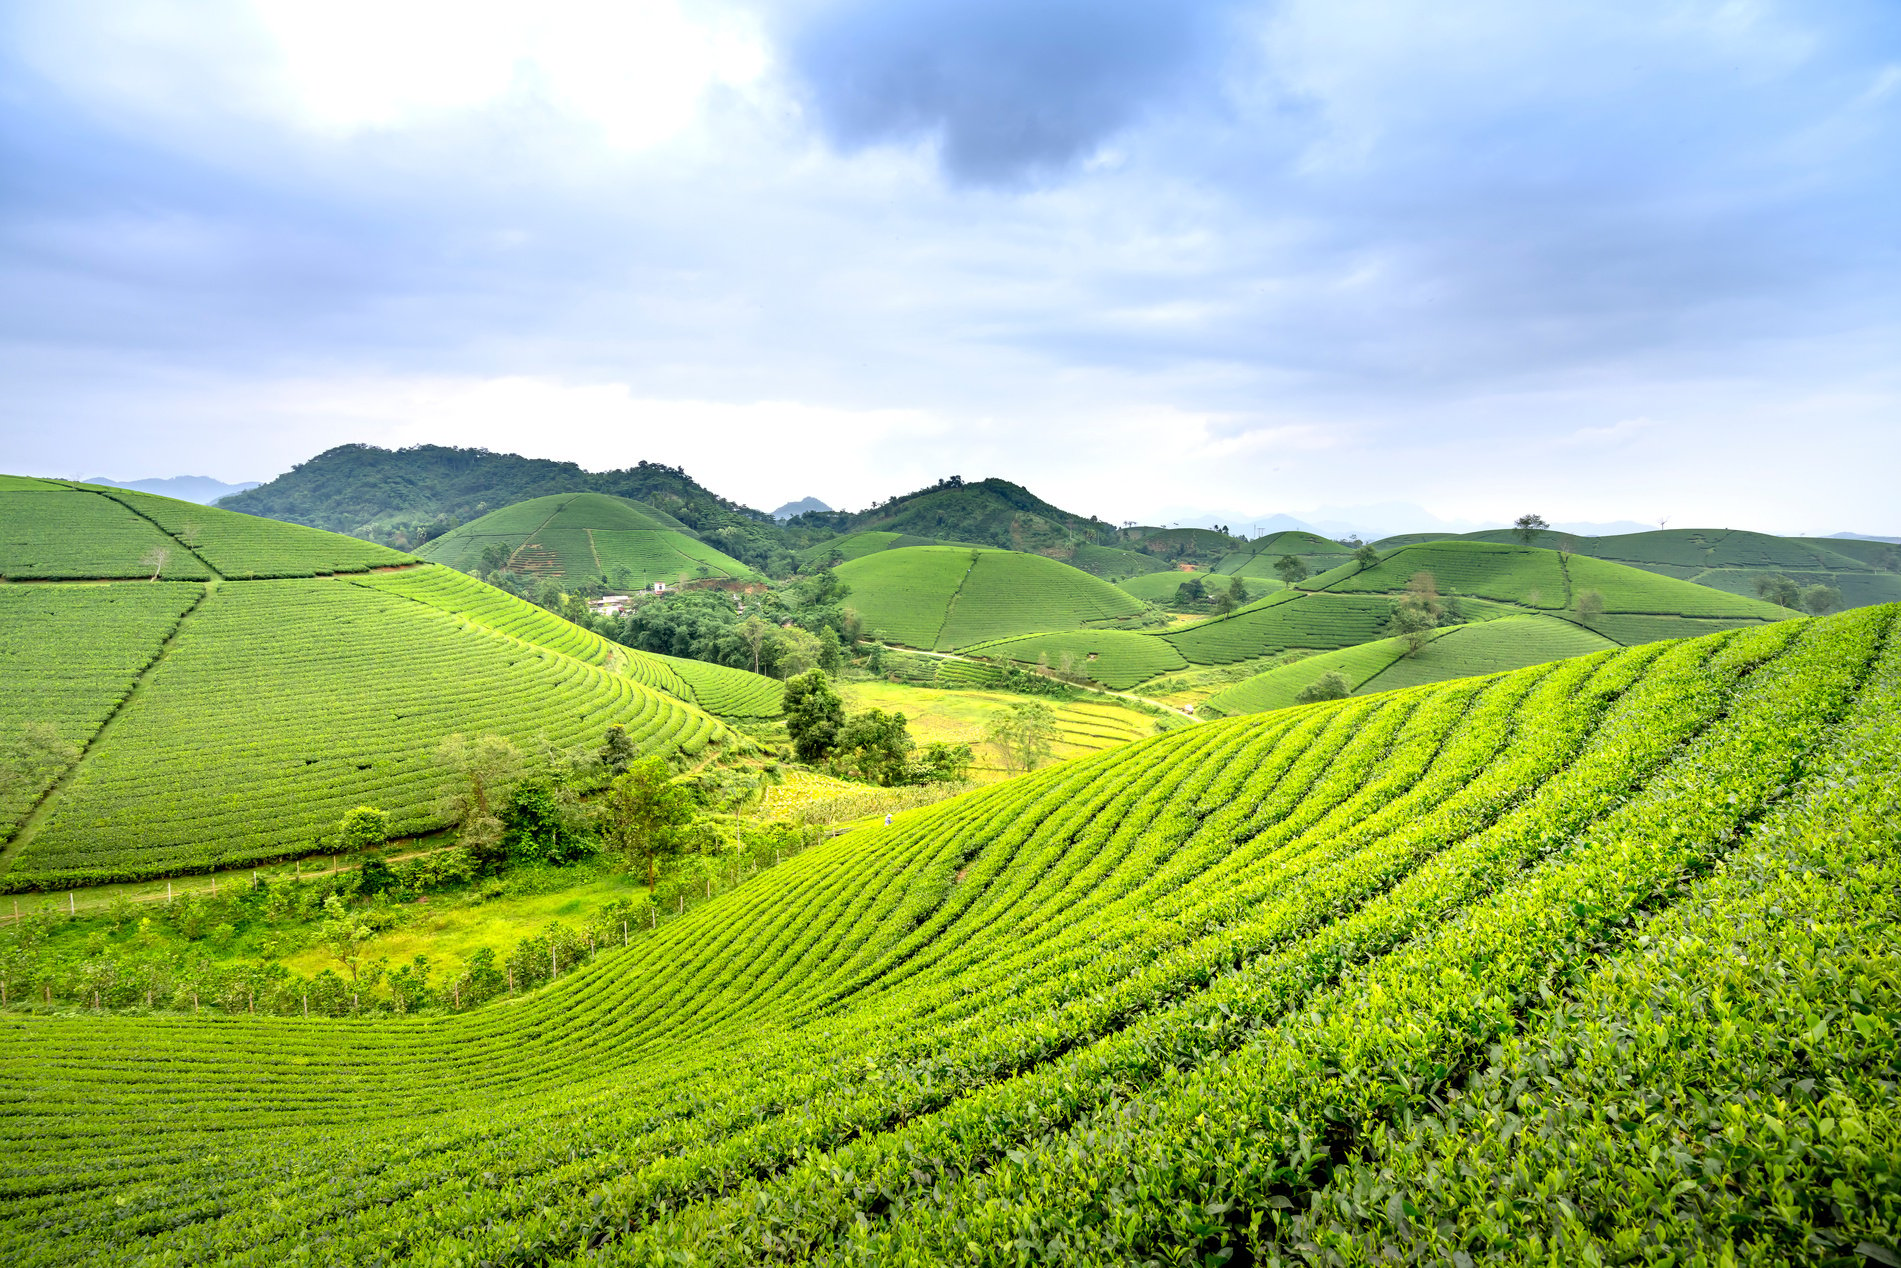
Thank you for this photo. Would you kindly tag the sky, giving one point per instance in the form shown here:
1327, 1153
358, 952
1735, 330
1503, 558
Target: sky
1602, 260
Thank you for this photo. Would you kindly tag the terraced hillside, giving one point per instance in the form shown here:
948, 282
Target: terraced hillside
946, 597
1596, 961
1731, 559
61, 530
1257, 558
175, 726
584, 535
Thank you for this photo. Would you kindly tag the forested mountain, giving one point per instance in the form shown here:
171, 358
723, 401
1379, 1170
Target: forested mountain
404, 497
986, 513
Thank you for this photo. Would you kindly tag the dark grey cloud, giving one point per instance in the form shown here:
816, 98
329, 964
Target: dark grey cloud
1010, 90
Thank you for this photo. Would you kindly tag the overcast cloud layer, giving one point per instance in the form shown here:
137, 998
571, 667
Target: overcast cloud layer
1603, 260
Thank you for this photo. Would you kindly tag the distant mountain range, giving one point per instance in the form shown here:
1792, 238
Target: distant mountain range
200, 489
1373, 522
799, 507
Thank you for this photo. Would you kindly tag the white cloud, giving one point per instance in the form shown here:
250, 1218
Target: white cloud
1617, 433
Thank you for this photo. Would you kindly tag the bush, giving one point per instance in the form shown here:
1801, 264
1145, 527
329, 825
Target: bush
1332, 685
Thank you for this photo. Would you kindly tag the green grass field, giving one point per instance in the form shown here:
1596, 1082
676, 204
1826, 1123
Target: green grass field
946, 597
1730, 560
959, 717
1596, 957
233, 719
586, 535
1114, 658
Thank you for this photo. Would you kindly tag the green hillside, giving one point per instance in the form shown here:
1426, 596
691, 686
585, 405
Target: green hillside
1114, 658
1257, 558
945, 597
188, 724
1459, 651
584, 535
993, 513
870, 541
1727, 559
55, 530
404, 495
1595, 961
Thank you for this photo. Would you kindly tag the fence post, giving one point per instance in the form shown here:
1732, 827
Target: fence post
70, 909
623, 931
554, 966
306, 1005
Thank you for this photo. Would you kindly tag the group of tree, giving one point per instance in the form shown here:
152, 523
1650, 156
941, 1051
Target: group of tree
1817, 600
1196, 593
1417, 612
874, 746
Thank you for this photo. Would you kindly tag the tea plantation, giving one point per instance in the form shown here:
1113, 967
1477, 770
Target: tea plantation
1595, 961
185, 725
585, 535
946, 597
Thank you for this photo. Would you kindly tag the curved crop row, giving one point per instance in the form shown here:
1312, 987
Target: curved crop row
1187, 997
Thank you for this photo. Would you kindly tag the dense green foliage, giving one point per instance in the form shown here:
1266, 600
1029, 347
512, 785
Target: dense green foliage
946, 597
406, 496
1592, 961
626, 545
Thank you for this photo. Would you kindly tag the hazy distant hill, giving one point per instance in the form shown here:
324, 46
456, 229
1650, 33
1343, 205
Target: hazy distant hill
200, 489
799, 507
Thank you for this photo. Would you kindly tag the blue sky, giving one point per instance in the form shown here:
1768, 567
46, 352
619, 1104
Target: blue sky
1609, 261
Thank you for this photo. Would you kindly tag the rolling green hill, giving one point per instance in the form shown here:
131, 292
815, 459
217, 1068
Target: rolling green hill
1459, 651
1597, 957
1346, 610
992, 513
576, 535
945, 597
403, 494
1258, 557
222, 718
1728, 559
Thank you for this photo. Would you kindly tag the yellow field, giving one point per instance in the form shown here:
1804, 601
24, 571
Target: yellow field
958, 717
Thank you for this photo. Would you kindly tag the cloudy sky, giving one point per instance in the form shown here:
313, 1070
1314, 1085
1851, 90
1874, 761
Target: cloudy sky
1607, 259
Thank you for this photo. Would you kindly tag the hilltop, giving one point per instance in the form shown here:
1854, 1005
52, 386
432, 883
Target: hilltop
574, 535
211, 688
405, 496
1420, 977
946, 597
988, 512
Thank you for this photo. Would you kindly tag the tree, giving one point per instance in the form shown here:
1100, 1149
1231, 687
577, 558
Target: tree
874, 746
156, 557
831, 652
796, 651
495, 557
485, 769
1366, 557
942, 763
1821, 599
1527, 527
364, 828
1332, 685
1291, 570
1224, 602
1238, 588
754, 632
642, 812
1416, 613
1026, 735
617, 750
1191, 591
343, 935
1590, 605
813, 715
1779, 590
